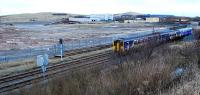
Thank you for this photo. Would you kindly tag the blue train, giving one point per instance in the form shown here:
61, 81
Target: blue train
124, 44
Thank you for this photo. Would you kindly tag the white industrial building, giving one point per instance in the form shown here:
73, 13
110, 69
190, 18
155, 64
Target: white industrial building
153, 19
94, 18
101, 17
81, 20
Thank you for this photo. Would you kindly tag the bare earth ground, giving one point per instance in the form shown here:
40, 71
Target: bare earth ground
24, 36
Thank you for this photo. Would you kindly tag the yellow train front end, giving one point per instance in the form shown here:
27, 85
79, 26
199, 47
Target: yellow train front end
118, 46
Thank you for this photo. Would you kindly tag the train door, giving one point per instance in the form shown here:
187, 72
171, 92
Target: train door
126, 45
131, 44
114, 46
121, 46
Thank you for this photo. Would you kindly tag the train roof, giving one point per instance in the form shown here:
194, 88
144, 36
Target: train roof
162, 32
166, 31
184, 29
135, 37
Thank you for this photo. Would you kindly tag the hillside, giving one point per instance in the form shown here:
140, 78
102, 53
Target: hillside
128, 13
45, 17
31, 17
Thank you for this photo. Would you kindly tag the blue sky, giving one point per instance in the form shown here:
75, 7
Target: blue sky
174, 7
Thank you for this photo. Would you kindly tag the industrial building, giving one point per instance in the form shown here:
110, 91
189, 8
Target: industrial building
94, 18
129, 18
80, 20
129, 21
124, 18
101, 17
153, 19
183, 20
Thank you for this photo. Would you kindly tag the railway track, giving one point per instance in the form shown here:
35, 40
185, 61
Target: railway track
84, 50
36, 70
71, 53
13, 56
12, 82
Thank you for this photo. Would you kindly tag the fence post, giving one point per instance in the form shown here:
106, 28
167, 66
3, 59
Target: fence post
30, 53
54, 48
86, 43
5, 57
101, 41
79, 44
98, 42
89, 43
93, 42
72, 45
105, 41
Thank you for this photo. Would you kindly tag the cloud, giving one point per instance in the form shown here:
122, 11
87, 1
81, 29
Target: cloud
176, 7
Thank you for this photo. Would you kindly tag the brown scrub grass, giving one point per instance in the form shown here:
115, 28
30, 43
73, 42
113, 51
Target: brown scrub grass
145, 70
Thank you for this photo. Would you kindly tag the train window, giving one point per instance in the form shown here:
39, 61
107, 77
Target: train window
121, 43
115, 43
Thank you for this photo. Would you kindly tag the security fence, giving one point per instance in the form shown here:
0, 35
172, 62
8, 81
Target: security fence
25, 54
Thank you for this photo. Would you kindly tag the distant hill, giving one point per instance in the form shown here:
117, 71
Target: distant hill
34, 17
46, 17
128, 13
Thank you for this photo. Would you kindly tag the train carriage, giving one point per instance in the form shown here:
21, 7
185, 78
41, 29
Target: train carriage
124, 44
172, 35
178, 34
185, 31
128, 44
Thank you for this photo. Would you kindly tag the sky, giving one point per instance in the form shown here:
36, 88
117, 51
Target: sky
173, 7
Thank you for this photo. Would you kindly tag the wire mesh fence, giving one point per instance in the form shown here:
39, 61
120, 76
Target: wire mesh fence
30, 53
